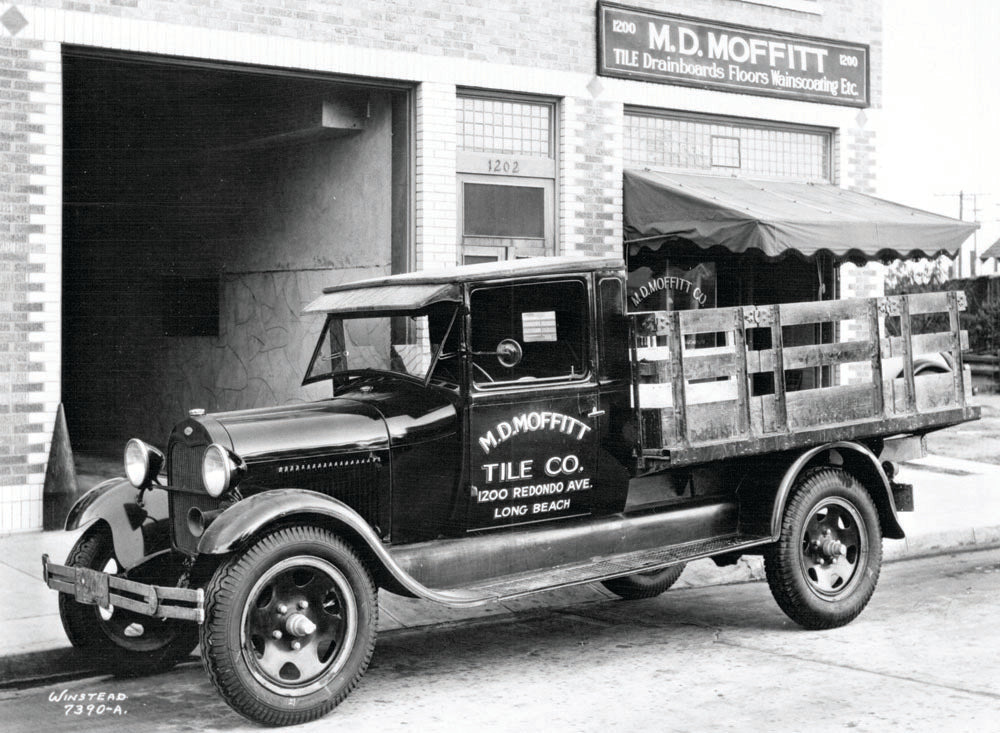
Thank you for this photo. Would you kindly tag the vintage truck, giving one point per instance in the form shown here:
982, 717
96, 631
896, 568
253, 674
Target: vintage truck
497, 430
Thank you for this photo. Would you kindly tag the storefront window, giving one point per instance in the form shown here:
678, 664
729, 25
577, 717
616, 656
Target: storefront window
726, 145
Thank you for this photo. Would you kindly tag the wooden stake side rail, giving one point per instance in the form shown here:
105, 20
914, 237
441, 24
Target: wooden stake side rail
700, 396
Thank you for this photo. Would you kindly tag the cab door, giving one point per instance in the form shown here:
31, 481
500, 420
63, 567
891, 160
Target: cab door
534, 410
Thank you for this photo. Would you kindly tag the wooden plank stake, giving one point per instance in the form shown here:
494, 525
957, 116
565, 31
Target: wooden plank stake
743, 423
906, 331
780, 411
677, 381
874, 336
955, 323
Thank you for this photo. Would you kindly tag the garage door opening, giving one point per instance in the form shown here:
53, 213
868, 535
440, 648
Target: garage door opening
204, 206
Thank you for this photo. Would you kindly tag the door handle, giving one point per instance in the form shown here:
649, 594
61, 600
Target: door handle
595, 412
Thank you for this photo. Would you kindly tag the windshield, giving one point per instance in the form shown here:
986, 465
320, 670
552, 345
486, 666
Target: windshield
404, 343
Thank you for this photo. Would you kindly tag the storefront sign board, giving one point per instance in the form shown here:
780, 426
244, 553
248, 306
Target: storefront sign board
674, 49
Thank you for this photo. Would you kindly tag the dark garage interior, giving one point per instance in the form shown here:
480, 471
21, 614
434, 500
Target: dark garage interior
204, 206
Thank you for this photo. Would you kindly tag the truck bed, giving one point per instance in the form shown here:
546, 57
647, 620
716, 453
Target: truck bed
700, 399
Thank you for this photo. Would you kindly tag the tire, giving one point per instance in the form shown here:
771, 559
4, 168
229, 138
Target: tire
823, 569
644, 585
125, 643
260, 592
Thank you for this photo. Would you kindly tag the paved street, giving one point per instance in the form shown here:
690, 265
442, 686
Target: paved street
922, 657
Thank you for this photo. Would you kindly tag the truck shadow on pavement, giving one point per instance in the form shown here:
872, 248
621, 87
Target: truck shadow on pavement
678, 622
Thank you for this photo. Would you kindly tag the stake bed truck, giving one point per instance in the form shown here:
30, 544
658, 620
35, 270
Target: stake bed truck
498, 430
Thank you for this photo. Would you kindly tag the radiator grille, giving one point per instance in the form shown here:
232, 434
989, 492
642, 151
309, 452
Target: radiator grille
184, 467
184, 477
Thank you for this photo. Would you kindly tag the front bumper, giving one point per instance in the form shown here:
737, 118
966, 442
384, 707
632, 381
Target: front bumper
94, 588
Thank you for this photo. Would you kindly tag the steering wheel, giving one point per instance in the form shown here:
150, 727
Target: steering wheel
485, 373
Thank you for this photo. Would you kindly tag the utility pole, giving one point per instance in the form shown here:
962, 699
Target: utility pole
962, 195
975, 235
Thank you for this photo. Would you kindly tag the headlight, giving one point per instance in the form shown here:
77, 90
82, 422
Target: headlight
142, 462
217, 470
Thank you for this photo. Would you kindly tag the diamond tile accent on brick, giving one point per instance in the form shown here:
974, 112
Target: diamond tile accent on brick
13, 21
595, 87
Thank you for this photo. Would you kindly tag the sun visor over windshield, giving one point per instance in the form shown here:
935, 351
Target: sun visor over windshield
402, 297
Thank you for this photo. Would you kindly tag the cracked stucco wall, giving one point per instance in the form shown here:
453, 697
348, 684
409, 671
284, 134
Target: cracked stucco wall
279, 224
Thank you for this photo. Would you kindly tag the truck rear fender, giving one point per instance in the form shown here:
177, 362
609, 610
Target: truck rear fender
857, 460
138, 530
249, 518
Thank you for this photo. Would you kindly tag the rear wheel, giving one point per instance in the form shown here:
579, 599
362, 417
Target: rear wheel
290, 626
125, 642
644, 585
825, 565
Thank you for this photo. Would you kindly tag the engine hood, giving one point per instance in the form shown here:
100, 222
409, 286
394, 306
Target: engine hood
373, 416
311, 429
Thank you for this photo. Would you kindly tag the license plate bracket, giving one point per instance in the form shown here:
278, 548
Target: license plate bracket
91, 587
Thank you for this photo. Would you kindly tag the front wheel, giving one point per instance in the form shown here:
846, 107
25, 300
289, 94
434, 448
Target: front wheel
289, 626
823, 569
125, 642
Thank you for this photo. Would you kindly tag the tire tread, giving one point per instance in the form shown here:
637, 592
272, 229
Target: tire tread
222, 589
781, 558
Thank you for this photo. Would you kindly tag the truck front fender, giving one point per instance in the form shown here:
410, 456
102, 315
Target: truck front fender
862, 464
137, 529
246, 519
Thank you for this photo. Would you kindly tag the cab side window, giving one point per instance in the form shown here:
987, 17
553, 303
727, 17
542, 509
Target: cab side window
548, 322
613, 340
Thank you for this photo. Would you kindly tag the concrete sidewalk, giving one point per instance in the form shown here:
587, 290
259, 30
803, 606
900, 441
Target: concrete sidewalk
957, 508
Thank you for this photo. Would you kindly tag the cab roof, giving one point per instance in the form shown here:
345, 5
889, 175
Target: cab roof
416, 290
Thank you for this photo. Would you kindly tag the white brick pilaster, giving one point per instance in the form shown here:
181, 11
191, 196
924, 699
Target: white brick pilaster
436, 194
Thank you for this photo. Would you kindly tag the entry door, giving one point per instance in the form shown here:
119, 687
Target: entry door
505, 217
534, 422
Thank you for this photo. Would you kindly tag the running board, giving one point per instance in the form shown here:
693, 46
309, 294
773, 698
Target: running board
595, 569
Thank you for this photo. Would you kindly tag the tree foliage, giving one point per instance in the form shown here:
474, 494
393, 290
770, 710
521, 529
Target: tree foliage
981, 319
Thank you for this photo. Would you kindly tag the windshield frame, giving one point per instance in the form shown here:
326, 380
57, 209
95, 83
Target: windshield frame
425, 379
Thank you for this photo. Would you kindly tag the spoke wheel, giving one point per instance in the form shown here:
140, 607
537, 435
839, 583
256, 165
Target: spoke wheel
824, 568
290, 626
644, 585
125, 642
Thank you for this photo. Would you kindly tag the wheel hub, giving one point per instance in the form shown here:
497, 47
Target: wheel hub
833, 547
298, 625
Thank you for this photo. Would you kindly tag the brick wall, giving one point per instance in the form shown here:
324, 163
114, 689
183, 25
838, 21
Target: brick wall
591, 148
439, 45
859, 166
435, 190
30, 238
527, 33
